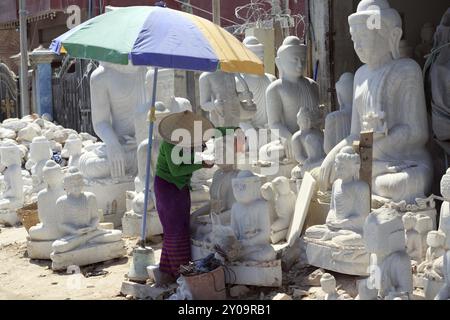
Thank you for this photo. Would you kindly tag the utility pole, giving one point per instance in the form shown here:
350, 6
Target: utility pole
24, 97
216, 11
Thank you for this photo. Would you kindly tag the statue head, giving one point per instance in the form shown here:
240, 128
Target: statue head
344, 90
376, 31
424, 224
52, 174
282, 185
267, 192
40, 149
122, 68
442, 35
409, 221
384, 232
10, 155
246, 187
347, 164
436, 239
328, 283
253, 44
445, 185
73, 144
427, 32
73, 182
308, 118
291, 58
178, 104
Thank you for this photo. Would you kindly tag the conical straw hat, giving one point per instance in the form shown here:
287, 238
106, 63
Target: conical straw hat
178, 129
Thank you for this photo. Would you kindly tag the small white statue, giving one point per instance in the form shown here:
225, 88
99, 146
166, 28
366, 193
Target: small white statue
250, 219
117, 93
73, 149
40, 153
291, 93
48, 228
12, 194
79, 218
445, 208
284, 207
350, 201
390, 265
413, 238
432, 265
307, 143
328, 285
338, 123
389, 99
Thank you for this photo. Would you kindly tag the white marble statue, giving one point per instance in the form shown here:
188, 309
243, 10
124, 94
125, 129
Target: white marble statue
219, 97
388, 99
328, 285
40, 153
424, 47
117, 93
79, 223
48, 227
257, 85
307, 143
445, 208
11, 197
390, 265
285, 200
338, 123
440, 79
350, 201
73, 149
291, 93
414, 245
432, 266
250, 219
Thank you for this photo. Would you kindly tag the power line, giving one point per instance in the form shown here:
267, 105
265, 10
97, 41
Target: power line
205, 11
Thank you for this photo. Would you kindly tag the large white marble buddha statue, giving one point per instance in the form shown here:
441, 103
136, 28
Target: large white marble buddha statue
12, 195
79, 217
292, 92
250, 219
117, 92
388, 99
338, 123
48, 227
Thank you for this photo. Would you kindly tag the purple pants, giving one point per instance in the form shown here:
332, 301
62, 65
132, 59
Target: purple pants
173, 206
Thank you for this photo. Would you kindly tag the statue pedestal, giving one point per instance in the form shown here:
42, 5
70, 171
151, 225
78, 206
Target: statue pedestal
346, 260
9, 217
252, 273
92, 253
132, 224
111, 197
39, 250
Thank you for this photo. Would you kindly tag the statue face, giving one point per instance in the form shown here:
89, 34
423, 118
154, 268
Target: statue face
344, 169
53, 177
74, 190
369, 45
445, 186
291, 63
246, 190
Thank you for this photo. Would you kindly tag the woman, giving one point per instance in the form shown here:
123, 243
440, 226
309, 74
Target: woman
172, 185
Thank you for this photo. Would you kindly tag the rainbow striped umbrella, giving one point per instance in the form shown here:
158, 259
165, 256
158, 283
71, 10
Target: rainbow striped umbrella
159, 37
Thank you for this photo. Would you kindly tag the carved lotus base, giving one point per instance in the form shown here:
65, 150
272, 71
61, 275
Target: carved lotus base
89, 254
39, 249
345, 260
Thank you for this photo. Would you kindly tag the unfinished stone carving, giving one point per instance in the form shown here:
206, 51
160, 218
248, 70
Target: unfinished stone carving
285, 200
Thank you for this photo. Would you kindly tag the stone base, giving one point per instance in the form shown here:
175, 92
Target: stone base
111, 198
39, 249
132, 224
351, 261
90, 254
144, 291
261, 274
9, 217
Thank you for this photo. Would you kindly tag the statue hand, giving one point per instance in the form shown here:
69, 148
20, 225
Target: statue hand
116, 157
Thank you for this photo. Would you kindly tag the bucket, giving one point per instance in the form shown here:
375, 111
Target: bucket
29, 215
208, 286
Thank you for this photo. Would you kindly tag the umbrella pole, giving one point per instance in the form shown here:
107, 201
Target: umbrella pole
149, 158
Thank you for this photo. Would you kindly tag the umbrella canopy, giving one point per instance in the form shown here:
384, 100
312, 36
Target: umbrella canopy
159, 37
